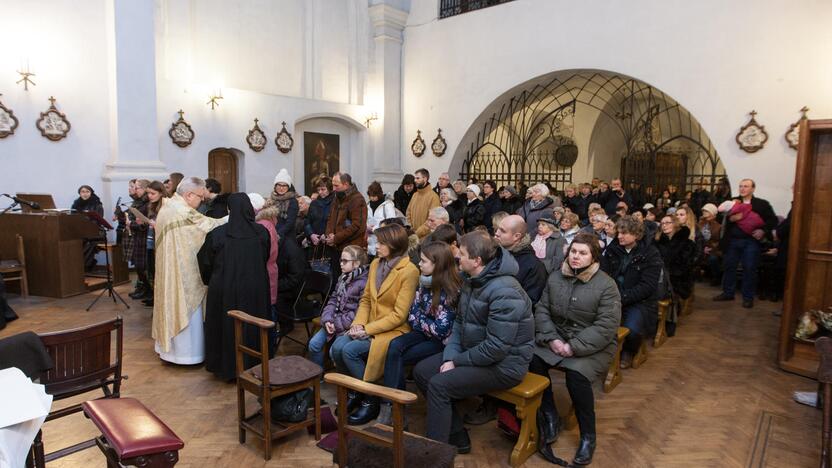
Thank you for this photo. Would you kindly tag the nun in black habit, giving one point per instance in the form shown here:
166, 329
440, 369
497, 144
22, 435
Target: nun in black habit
232, 262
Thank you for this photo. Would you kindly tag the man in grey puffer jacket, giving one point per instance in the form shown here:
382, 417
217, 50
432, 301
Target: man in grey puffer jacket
491, 344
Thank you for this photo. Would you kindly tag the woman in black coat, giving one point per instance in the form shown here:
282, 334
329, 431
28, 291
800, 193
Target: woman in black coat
453, 205
474, 213
232, 262
678, 254
402, 195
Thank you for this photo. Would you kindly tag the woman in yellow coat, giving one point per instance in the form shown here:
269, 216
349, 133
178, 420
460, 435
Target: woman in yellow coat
381, 317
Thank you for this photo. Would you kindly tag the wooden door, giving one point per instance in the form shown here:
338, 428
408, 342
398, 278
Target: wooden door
222, 165
809, 270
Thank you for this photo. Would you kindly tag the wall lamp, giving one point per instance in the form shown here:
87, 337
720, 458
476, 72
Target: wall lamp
214, 100
370, 118
25, 73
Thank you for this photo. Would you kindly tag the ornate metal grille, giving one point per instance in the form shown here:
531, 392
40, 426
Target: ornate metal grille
449, 8
663, 142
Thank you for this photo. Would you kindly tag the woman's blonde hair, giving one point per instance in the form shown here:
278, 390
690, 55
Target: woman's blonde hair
690, 221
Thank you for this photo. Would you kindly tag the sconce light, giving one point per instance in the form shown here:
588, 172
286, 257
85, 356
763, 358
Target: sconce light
25, 73
213, 100
370, 118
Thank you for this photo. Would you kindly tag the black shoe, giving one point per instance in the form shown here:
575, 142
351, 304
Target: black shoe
551, 426
138, 293
585, 450
487, 411
148, 302
670, 329
368, 411
722, 297
461, 441
353, 402
748, 303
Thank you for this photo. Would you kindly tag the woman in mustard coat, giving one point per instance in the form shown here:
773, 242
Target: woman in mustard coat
381, 317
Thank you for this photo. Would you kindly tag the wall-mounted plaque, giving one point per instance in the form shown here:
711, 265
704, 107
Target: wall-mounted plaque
256, 139
8, 122
181, 132
418, 146
752, 136
793, 133
284, 140
439, 145
53, 123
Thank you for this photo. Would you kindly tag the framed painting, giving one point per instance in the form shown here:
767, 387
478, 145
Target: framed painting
321, 157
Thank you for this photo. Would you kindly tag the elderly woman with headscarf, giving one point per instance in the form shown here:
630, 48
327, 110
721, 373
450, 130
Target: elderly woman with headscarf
232, 262
538, 206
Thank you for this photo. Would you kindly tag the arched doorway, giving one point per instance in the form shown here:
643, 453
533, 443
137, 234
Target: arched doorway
223, 165
569, 126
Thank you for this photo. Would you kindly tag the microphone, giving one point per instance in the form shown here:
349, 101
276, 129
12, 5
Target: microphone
30, 204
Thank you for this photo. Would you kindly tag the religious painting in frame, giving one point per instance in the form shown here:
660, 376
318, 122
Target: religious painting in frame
321, 157
181, 132
256, 139
439, 145
8, 122
53, 124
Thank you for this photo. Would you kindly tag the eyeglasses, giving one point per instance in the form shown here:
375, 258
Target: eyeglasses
667, 222
347, 260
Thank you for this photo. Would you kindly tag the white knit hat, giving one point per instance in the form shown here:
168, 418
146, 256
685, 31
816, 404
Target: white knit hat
647, 206
710, 208
257, 201
474, 188
283, 177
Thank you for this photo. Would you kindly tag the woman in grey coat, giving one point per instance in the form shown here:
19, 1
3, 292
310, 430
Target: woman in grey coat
576, 322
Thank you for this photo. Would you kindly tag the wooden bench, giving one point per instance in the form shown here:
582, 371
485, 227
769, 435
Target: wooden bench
614, 373
526, 398
641, 355
131, 435
661, 329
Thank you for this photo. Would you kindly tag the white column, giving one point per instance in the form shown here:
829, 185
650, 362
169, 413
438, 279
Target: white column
134, 139
384, 93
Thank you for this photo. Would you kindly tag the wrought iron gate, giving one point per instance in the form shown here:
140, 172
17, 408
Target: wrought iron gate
525, 139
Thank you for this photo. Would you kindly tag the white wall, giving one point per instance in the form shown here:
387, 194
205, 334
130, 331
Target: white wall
66, 43
718, 59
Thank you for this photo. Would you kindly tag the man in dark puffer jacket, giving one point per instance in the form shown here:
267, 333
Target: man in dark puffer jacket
491, 344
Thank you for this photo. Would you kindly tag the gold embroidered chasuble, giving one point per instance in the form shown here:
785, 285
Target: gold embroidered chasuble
180, 233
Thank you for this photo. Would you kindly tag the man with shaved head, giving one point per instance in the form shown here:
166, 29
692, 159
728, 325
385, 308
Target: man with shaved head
512, 235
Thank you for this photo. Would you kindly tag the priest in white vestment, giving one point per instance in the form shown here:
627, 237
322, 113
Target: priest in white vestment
180, 295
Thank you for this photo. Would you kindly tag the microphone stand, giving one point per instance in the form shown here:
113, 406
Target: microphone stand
108, 288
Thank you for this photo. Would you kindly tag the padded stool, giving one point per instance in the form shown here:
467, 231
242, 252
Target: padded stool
131, 434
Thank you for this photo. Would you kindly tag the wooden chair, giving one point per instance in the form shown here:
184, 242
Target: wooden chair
661, 329
398, 398
824, 348
614, 373
17, 267
526, 397
271, 378
83, 363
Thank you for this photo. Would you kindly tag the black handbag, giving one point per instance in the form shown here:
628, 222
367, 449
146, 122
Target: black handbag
293, 407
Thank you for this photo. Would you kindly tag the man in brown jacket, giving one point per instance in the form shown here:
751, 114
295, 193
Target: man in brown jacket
347, 223
422, 202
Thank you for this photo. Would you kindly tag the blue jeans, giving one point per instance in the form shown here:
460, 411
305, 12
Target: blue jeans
316, 347
634, 318
746, 251
350, 355
407, 349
